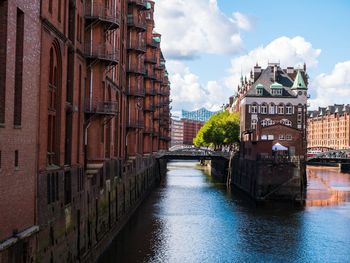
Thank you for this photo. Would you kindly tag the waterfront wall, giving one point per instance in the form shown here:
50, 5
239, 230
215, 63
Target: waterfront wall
269, 179
78, 226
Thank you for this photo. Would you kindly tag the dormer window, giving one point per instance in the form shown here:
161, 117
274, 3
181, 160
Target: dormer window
259, 89
276, 89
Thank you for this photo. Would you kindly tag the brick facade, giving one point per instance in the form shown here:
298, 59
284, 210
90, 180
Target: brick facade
329, 127
89, 112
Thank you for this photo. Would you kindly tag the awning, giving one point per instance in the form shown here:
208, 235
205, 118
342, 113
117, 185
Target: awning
279, 147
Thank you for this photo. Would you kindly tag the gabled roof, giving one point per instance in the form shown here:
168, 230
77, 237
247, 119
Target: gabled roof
299, 82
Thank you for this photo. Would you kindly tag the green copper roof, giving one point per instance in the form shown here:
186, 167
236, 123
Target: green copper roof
157, 39
259, 86
148, 5
276, 85
299, 82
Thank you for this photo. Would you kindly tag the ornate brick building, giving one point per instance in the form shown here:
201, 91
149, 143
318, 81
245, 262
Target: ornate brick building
77, 123
273, 106
329, 127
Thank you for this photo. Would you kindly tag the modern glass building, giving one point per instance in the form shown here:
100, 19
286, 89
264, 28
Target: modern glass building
201, 114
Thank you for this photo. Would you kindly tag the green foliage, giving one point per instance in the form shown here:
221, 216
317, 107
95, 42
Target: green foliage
221, 129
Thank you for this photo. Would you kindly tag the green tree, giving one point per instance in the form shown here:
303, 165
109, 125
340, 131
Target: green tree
221, 129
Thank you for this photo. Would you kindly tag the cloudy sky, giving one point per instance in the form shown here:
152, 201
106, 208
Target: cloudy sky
209, 43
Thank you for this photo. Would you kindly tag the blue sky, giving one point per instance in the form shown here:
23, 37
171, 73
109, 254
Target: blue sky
323, 26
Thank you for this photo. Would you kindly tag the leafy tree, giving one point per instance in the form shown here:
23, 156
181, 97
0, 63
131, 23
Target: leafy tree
221, 129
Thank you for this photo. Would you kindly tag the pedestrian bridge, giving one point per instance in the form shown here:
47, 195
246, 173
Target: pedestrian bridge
329, 157
192, 153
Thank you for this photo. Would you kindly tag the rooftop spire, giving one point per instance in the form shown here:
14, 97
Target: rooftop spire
299, 82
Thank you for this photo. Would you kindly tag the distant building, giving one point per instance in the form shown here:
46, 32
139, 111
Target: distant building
190, 130
273, 106
201, 114
329, 127
177, 132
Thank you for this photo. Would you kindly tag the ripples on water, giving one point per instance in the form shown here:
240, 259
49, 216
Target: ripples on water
191, 219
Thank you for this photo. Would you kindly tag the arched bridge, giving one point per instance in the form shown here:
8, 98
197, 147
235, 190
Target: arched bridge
333, 156
192, 153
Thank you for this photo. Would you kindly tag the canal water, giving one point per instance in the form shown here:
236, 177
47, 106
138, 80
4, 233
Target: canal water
189, 218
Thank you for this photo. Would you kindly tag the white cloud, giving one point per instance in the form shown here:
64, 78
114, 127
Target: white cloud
288, 51
191, 28
333, 88
187, 93
243, 21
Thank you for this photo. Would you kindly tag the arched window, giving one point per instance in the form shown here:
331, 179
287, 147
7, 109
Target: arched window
264, 108
286, 122
254, 108
289, 109
280, 109
53, 105
272, 108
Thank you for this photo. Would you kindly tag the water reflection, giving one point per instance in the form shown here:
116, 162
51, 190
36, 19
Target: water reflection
327, 186
191, 219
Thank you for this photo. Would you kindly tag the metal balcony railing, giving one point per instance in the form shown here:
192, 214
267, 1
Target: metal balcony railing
150, 75
101, 12
136, 124
137, 46
148, 107
136, 69
101, 52
137, 23
148, 130
101, 107
136, 91
151, 59
151, 92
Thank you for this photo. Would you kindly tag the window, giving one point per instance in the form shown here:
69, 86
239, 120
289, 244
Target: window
52, 187
272, 108
281, 137
3, 54
289, 109
254, 108
288, 137
50, 6
264, 109
17, 118
53, 106
277, 92
59, 10
259, 91
286, 122
280, 109
67, 188
253, 124
16, 159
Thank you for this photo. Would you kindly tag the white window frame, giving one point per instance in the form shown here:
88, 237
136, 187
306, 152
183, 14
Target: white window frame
281, 137
264, 109
254, 108
289, 109
280, 109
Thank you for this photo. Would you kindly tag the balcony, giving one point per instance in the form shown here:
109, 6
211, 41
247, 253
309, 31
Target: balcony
153, 44
159, 79
136, 91
136, 69
151, 92
148, 130
135, 124
150, 75
137, 46
151, 59
101, 52
99, 12
137, 23
141, 3
148, 107
101, 107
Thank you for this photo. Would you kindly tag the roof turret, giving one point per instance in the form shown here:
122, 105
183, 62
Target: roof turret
299, 82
